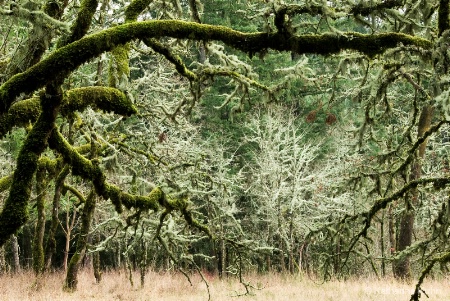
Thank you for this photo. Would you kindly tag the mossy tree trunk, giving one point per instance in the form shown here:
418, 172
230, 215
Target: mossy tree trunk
38, 243
143, 265
402, 267
50, 248
82, 242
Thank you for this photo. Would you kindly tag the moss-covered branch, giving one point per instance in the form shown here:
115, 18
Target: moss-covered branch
438, 183
171, 57
101, 98
66, 59
364, 8
91, 171
36, 17
82, 23
26, 112
442, 259
135, 8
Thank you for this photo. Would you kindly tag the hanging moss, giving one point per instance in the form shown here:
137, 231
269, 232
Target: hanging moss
119, 69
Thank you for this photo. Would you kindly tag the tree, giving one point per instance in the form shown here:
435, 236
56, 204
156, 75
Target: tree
388, 56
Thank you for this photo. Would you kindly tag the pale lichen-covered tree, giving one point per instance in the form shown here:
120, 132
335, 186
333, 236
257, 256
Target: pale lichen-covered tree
150, 62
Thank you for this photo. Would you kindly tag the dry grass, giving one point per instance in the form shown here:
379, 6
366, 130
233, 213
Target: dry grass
169, 286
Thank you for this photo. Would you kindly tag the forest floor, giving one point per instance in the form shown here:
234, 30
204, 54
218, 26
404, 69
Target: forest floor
174, 286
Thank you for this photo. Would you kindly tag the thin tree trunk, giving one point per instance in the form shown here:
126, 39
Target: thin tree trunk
70, 224
2, 260
15, 251
50, 247
143, 264
402, 267
38, 243
97, 267
291, 248
86, 218
383, 261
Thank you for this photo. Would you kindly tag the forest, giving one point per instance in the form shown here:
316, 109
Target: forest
225, 137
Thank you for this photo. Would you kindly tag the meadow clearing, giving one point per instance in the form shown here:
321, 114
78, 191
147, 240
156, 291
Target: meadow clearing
172, 286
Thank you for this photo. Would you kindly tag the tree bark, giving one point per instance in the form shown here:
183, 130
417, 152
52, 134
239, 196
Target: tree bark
38, 243
50, 248
97, 267
2, 260
402, 267
15, 251
86, 218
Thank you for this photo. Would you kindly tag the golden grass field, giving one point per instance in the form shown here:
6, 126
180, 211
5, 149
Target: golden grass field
175, 287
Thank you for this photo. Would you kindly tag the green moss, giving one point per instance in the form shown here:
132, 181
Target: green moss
66, 59
48, 164
5, 182
38, 242
25, 112
22, 114
135, 8
103, 98
329, 43
89, 171
14, 212
119, 69
82, 23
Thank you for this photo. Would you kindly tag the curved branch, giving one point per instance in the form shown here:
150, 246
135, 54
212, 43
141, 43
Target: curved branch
82, 23
442, 259
66, 59
181, 68
90, 170
26, 112
36, 17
